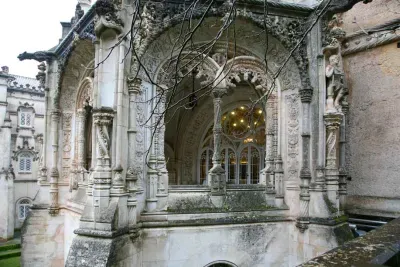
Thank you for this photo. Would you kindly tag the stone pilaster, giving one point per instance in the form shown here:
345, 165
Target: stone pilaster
305, 173
269, 158
279, 181
102, 173
162, 184
54, 173
332, 123
217, 173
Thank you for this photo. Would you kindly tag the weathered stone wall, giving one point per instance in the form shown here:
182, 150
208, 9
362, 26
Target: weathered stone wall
43, 239
374, 142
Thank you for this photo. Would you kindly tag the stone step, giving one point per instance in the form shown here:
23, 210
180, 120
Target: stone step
10, 254
11, 246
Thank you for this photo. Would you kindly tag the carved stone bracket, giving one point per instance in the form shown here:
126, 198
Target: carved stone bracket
107, 17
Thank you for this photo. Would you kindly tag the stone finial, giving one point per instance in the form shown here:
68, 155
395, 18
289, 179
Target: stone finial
5, 69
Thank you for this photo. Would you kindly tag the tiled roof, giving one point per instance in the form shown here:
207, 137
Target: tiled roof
25, 84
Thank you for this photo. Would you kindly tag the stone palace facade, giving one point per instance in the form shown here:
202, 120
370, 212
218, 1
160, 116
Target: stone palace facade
224, 180
23, 110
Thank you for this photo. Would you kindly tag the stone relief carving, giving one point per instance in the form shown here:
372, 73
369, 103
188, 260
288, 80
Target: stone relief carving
158, 50
25, 148
107, 17
292, 102
66, 146
137, 169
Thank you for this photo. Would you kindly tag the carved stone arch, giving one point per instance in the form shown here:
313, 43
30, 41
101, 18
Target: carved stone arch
75, 66
244, 69
205, 66
85, 93
285, 30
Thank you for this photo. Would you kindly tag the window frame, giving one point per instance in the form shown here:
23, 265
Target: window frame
24, 203
25, 157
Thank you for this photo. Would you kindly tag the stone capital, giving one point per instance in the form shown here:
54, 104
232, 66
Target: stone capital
218, 92
333, 120
306, 95
134, 85
103, 116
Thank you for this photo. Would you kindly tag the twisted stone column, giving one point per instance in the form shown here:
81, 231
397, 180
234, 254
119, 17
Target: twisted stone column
217, 173
305, 173
54, 174
102, 173
332, 122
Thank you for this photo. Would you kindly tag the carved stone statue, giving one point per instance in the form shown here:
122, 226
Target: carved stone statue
335, 85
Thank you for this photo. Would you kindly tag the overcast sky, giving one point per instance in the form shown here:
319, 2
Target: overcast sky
30, 25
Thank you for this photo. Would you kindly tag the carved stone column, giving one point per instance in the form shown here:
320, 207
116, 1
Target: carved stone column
305, 173
131, 178
332, 122
162, 185
267, 177
81, 121
41, 76
102, 173
54, 173
342, 160
217, 174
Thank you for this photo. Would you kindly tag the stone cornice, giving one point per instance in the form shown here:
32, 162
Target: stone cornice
372, 37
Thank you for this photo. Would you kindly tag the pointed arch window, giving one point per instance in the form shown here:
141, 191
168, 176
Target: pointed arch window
243, 146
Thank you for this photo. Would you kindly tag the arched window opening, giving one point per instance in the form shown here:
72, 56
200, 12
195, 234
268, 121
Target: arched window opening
243, 146
23, 208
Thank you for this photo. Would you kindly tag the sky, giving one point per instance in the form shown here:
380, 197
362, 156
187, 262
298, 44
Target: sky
30, 25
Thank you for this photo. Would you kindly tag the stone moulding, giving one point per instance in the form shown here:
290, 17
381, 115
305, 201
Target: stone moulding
364, 43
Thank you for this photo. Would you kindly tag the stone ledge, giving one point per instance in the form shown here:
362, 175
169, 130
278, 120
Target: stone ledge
376, 247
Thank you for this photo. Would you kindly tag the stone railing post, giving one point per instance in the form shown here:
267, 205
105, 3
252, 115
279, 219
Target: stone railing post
217, 174
305, 173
